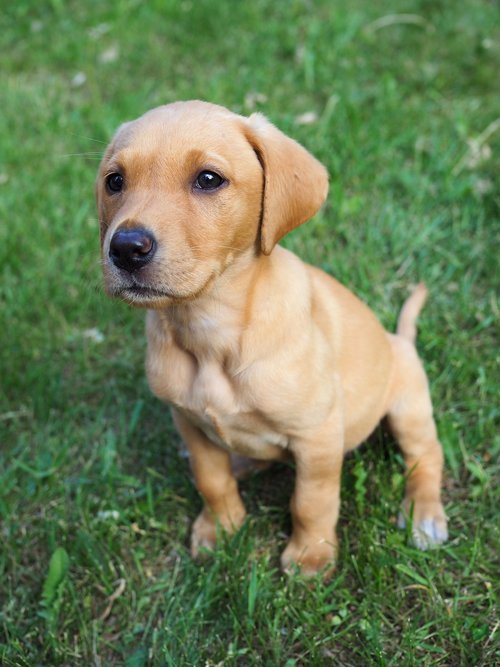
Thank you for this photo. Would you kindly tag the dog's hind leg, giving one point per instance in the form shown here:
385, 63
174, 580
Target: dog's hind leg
411, 421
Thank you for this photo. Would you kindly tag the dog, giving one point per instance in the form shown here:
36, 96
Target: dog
257, 353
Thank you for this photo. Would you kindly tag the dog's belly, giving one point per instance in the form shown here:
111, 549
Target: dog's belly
245, 433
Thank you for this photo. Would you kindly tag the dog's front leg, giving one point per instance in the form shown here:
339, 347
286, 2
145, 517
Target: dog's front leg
315, 502
211, 466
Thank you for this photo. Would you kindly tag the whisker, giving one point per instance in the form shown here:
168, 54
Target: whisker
83, 136
225, 247
90, 156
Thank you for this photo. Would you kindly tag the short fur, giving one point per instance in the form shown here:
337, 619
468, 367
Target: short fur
258, 353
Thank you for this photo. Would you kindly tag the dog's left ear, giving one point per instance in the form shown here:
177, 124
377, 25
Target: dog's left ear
295, 183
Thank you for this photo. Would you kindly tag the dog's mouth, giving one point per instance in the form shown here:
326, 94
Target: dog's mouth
141, 295
137, 294
145, 292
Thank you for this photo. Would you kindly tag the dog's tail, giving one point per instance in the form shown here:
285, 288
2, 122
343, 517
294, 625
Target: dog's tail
407, 319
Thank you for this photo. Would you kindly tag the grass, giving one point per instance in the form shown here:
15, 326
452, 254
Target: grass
95, 501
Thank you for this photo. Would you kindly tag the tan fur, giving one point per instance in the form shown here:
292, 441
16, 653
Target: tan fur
407, 320
258, 353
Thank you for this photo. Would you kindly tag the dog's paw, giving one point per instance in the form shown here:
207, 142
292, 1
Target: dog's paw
203, 535
309, 559
429, 527
206, 527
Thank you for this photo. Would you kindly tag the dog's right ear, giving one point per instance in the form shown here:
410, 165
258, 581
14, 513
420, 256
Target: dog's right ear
295, 183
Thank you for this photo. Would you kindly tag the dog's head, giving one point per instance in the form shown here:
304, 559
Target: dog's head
187, 188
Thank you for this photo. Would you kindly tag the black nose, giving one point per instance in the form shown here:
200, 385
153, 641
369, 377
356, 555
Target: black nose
131, 249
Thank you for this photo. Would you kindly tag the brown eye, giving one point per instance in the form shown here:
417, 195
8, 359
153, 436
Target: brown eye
208, 180
114, 182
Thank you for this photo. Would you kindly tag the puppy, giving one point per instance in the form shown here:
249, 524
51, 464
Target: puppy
258, 353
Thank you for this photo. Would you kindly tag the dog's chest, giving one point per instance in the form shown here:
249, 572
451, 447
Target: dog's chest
216, 403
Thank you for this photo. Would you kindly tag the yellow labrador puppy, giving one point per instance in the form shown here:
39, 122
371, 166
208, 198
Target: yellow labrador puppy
258, 353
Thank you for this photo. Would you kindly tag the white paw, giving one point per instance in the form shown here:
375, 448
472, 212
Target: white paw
429, 529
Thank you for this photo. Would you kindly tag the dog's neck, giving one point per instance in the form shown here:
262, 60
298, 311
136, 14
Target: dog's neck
210, 326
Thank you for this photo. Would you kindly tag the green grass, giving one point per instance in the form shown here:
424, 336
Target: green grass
89, 459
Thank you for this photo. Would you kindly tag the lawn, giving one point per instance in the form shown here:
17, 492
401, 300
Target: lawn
400, 100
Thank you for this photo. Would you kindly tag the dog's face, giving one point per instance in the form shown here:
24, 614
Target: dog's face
180, 194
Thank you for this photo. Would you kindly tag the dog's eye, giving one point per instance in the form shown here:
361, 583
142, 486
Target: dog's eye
208, 180
114, 182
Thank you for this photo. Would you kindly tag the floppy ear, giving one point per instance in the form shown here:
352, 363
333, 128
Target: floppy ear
295, 183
